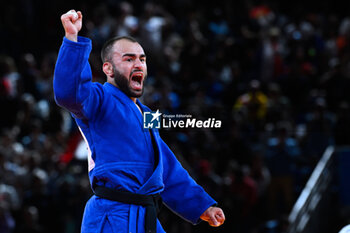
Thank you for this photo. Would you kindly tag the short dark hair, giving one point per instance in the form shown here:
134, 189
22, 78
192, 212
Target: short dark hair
106, 48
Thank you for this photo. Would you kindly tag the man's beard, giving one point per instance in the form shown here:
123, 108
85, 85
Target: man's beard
123, 83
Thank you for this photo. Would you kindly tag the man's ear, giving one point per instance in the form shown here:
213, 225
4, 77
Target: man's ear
108, 69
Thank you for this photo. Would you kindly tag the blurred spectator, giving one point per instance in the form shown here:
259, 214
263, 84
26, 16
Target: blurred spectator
100, 25
253, 103
9, 201
29, 73
278, 105
208, 179
250, 109
218, 25
44, 81
342, 125
152, 25
127, 23
9, 76
319, 128
242, 190
7, 222
29, 217
262, 177
277, 75
8, 84
173, 46
273, 52
281, 156
262, 14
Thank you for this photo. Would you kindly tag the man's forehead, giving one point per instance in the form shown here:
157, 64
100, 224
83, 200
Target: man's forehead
124, 46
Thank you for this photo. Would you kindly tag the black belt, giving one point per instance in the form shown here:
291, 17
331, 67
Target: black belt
152, 203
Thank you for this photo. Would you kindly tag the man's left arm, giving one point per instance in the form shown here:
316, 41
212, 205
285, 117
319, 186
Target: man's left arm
184, 196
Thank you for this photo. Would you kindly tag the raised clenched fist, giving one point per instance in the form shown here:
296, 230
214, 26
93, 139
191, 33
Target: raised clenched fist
72, 22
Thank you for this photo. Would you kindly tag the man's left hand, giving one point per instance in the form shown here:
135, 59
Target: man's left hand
214, 216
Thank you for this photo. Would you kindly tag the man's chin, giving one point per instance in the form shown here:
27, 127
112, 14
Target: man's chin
136, 93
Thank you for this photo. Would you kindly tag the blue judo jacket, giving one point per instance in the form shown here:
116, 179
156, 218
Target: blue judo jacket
120, 152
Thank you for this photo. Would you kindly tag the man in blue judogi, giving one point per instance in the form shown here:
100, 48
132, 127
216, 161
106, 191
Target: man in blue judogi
131, 169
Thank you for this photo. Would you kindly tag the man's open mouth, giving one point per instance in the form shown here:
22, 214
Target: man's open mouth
136, 80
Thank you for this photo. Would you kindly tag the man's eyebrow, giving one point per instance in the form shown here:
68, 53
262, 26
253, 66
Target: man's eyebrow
132, 55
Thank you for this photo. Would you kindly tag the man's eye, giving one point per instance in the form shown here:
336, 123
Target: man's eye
129, 59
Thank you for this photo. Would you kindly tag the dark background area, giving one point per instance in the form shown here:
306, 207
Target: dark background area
276, 73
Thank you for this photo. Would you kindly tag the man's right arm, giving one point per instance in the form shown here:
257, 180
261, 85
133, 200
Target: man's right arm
72, 77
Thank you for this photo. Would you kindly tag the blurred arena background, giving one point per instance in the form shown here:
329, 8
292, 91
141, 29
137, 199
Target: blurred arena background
277, 73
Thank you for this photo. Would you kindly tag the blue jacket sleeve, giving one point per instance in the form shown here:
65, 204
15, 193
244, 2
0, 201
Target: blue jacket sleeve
181, 193
72, 84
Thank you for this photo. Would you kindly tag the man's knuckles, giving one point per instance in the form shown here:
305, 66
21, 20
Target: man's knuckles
70, 16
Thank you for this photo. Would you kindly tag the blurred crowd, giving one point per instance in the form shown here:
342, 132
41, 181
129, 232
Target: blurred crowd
276, 74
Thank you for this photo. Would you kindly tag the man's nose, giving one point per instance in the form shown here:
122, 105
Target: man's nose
138, 63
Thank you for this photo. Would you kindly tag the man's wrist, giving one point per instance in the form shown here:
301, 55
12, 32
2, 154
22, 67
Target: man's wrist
72, 37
